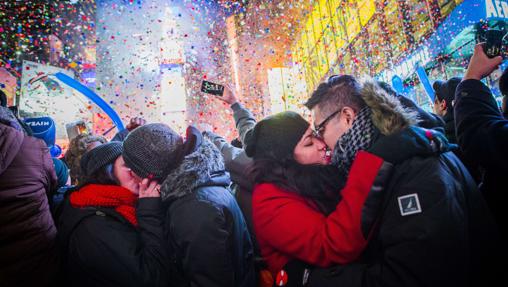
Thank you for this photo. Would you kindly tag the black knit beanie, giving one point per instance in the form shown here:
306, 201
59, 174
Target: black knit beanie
276, 136
150, 150
100, 156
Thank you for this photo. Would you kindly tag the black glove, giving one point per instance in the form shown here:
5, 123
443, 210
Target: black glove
294, 274
410, 142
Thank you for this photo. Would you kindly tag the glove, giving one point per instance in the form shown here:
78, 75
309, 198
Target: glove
410, 142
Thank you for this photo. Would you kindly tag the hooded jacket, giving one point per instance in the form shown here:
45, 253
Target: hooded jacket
204, 227
27, 231
431, 225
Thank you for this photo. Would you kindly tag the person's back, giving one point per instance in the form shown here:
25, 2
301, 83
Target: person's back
428, 200
28, 233
434, 229
204, 228
205, 224
482, 132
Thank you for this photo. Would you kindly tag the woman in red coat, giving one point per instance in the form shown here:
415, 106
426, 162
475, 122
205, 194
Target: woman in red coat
299, 210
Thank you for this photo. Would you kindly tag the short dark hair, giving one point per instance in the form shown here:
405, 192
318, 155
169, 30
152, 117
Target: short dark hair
336, 93
503, 83
105, 175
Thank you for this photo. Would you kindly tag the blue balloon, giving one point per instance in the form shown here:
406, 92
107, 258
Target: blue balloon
55, 150
93, 97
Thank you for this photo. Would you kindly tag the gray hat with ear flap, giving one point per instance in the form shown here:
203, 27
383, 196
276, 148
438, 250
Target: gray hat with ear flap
151, 149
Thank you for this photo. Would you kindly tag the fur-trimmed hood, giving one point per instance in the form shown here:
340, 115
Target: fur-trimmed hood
203, 167
388, 114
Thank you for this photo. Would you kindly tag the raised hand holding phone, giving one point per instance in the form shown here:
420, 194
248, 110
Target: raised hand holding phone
229, 96
480, 64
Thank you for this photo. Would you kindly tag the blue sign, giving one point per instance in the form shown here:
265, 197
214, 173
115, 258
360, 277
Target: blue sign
43, 128
496, 9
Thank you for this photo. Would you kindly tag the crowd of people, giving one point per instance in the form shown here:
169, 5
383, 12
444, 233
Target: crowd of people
375, 192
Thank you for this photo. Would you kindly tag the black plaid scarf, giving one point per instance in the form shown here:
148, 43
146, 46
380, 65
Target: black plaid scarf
360, 136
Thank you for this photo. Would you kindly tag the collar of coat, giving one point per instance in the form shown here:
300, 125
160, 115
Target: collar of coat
197, 169
388, 114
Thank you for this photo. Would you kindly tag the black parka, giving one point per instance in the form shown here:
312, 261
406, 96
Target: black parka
101, 248
204, 226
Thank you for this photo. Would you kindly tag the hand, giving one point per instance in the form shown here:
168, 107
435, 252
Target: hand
481, 65
149, 188
135, 122
228, 96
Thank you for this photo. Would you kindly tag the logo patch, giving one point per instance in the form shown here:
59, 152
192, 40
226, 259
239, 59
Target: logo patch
409, 204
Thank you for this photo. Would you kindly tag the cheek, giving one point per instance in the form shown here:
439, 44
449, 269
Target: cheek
311, 155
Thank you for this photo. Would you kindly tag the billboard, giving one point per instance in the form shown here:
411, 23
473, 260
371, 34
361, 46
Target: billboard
42, 94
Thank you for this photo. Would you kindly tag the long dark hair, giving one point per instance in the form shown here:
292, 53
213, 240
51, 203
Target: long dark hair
104, 175
319, 183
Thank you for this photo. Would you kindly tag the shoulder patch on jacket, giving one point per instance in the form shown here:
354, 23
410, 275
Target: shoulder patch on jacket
409, 204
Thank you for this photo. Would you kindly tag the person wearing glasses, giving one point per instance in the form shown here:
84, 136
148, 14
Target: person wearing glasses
432, 227
304, 212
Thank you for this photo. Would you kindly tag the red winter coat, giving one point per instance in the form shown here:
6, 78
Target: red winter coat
28, 253
288, 226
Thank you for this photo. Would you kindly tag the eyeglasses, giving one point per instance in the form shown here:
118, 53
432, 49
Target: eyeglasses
320, 129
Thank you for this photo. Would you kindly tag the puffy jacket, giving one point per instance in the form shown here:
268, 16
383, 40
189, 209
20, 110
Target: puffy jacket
204, 227
433, 229
27, 231
289, 226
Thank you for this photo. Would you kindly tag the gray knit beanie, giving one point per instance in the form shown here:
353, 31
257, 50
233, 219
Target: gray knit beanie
100, 156
151, 150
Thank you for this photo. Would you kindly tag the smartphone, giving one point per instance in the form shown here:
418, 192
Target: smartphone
76, 128
493, 43
212, 88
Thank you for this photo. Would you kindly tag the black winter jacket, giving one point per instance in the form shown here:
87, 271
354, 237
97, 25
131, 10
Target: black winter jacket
205, 229
483, 136
448, 241
101, 248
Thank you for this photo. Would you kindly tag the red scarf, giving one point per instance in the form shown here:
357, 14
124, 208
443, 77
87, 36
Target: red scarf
114, 196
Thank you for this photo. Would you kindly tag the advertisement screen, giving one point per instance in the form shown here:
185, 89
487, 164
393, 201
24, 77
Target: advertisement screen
42, 94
